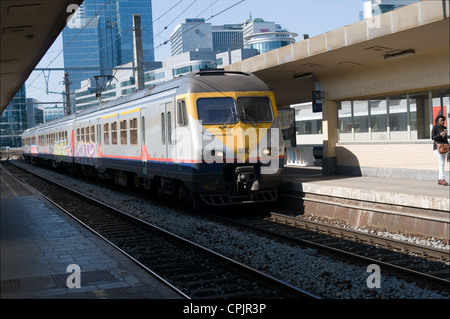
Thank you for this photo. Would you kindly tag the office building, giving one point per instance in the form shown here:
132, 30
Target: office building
265, 36
376, 7
227, 37
100, 36
191, 35
53, 112
35, 115
196, 34
13, 120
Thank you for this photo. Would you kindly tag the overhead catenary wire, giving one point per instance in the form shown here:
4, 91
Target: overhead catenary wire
79, 32
128, 32
195, 26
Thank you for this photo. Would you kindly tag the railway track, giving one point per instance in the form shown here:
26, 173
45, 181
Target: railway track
194, 271
427, 264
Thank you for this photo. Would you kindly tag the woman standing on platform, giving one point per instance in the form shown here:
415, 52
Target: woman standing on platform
439, 134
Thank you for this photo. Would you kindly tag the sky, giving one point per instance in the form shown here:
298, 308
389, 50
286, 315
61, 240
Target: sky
312, 17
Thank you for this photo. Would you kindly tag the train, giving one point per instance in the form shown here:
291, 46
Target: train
212, 137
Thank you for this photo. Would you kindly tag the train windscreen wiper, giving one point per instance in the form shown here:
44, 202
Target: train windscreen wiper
247, 115
229, 119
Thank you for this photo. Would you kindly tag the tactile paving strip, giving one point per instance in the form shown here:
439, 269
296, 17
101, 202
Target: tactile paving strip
11, 285
86, 277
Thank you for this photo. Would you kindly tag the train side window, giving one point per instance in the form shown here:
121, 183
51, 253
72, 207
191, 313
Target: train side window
181, 113
169, 127
114, 132
123, 132
78, 135
87, 134
106, 133
133, 131
143, 130
163, 129
82, 135
93, 134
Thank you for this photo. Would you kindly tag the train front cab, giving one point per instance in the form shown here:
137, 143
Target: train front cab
242, 153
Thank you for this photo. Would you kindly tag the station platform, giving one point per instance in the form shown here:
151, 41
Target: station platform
39, 242
416, 207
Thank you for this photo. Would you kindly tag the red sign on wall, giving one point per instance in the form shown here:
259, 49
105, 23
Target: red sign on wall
436, 110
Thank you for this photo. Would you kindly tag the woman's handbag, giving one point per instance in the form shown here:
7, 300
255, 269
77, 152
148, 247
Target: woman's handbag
442, 148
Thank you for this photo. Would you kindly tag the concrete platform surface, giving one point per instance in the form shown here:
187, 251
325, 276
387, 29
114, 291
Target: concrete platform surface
41, 247
419, 194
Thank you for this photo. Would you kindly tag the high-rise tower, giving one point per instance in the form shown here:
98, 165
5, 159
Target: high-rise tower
100, 35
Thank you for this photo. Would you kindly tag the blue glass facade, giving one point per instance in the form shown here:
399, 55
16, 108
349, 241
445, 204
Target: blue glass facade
100, 35
264, 47
13, 120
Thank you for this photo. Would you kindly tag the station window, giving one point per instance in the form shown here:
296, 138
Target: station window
407, 116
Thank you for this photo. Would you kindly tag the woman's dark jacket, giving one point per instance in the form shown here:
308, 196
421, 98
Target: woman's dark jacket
436, 136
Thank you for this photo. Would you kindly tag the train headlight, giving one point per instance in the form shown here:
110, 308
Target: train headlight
266, 151
213, 155
274, 151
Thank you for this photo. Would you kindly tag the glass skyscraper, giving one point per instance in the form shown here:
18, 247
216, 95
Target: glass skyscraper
13, 120
100, 35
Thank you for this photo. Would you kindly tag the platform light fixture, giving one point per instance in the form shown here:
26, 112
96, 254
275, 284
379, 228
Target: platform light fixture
303, 76
400, 54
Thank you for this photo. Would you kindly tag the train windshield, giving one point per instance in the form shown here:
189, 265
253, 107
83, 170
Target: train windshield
254, 109
216, 110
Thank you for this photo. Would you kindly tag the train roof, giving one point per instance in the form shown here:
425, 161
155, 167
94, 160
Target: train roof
219, 81
216, 80
51, 123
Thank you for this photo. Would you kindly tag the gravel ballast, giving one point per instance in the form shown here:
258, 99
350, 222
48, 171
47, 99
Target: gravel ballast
301, 267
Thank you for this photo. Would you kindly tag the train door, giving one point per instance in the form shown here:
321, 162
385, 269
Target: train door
144, 151
98, 139
170, 119
167, 132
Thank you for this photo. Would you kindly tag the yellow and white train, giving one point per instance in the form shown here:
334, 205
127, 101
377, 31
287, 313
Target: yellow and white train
210, 135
